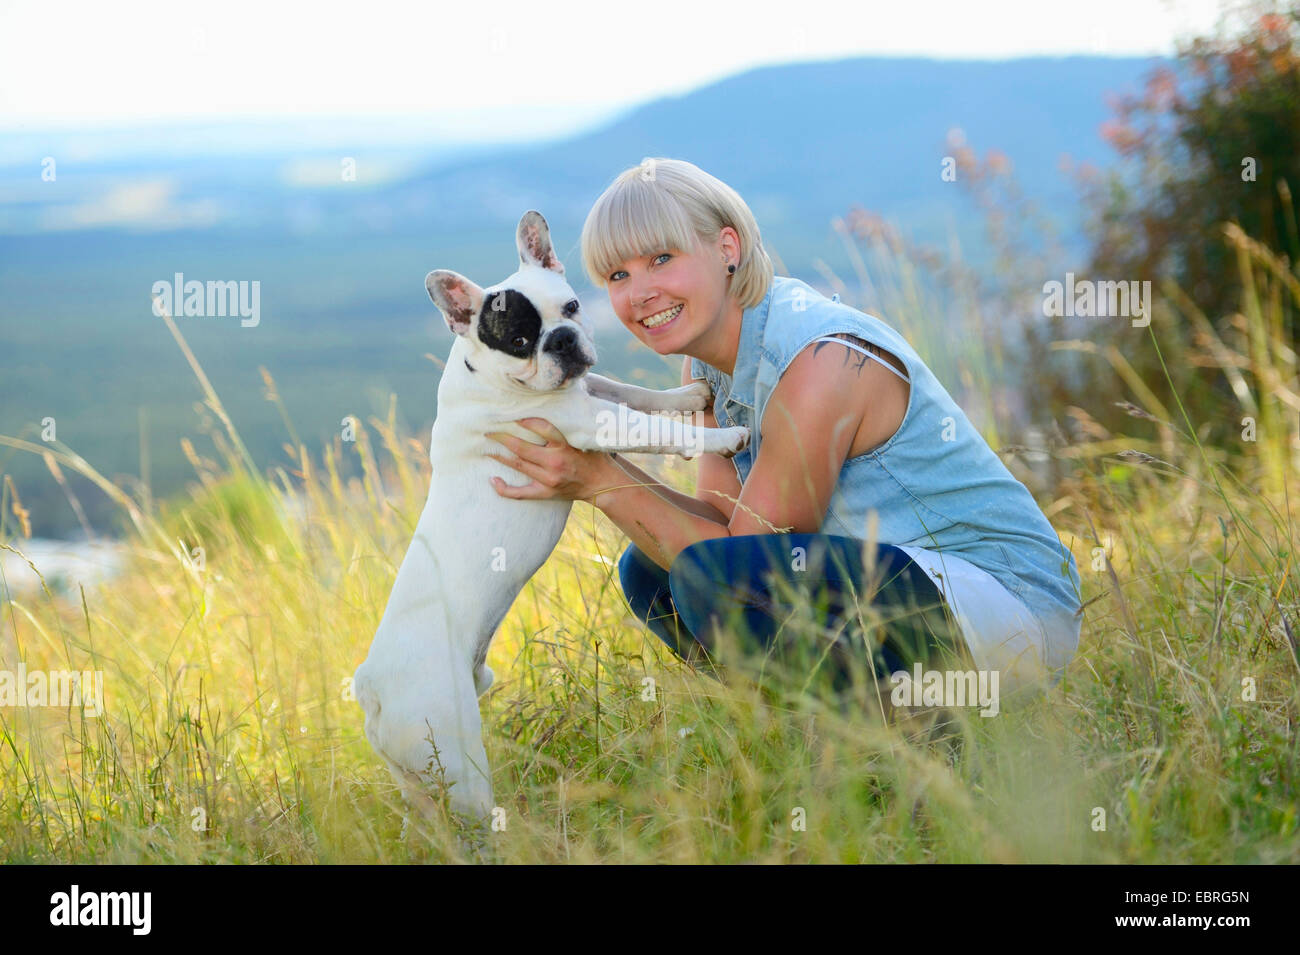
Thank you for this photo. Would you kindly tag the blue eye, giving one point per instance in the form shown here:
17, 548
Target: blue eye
661, 255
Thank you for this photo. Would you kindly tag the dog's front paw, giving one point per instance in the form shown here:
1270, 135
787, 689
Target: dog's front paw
733, 441
697, 396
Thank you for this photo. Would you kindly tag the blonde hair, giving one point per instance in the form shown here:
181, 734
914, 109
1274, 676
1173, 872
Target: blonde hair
672, 204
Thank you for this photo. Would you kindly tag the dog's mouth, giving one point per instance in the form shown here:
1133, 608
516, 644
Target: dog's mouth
566, 375
570, 374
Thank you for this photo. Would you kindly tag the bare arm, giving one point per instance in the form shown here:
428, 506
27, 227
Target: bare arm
718, 483
660, 521
630, 512
684, 501
790, 484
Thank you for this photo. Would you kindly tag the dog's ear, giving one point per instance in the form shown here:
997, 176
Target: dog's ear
457, 298
534, 242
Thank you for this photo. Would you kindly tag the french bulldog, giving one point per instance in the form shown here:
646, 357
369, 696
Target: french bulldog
522, 348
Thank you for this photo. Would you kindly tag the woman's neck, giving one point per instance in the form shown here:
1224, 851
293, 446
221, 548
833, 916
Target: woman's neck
720, 346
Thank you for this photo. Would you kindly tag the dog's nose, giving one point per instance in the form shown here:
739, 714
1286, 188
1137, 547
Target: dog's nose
562, 342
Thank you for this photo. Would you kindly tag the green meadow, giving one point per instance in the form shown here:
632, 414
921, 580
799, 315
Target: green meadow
229, 733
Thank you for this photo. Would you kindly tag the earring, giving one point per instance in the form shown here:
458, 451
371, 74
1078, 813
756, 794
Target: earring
731, 269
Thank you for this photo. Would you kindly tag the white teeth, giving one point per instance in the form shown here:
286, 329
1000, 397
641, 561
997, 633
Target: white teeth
654, 321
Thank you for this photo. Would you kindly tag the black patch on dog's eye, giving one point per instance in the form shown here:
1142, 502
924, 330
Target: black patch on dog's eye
570, 308
506, 316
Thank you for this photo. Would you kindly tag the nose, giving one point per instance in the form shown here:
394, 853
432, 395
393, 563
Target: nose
565, 345
563, 342
637, 299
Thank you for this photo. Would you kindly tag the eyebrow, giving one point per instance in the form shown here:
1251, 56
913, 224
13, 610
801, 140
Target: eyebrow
648, 255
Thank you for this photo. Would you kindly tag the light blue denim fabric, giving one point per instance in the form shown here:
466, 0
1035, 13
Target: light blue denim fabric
935, 484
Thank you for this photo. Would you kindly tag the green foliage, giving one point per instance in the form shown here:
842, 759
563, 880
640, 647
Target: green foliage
1210, 151
238, 505
1216, 141
230, 735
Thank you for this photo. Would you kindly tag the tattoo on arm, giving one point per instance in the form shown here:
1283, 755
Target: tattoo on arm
850, 354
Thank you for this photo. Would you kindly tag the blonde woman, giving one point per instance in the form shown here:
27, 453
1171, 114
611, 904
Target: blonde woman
881, 489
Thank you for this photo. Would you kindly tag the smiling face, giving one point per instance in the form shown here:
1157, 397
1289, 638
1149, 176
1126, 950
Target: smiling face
670, 299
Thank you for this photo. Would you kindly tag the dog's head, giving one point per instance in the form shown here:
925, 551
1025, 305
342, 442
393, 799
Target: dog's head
526, 331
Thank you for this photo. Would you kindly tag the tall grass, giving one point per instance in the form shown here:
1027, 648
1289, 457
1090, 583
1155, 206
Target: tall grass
230, 734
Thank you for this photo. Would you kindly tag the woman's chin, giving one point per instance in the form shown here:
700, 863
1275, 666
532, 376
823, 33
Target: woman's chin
667, 343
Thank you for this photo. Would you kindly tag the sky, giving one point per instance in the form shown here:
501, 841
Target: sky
496, 69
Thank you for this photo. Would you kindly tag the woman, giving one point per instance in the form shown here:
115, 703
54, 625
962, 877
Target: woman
855, 448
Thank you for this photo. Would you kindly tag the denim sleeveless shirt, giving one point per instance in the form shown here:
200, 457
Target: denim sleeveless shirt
936, 484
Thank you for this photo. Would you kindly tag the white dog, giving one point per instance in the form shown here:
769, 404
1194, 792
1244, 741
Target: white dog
521, 350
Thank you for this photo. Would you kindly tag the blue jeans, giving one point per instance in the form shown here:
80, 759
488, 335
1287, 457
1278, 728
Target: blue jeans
730, 583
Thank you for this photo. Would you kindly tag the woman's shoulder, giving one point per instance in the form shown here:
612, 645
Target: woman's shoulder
800, 315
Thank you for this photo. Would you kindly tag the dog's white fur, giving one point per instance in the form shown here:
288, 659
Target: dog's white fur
474, 550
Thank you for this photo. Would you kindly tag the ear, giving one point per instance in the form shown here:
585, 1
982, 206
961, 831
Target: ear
534, 242
457, 298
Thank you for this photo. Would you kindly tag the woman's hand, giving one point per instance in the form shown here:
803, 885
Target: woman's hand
558, 469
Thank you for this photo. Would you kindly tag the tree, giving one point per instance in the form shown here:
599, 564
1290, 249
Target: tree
1218, 144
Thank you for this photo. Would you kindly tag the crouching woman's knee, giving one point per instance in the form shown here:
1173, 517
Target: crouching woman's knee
641, 578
